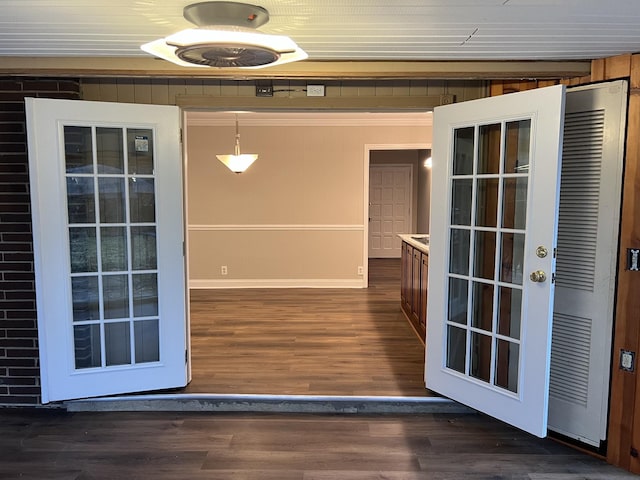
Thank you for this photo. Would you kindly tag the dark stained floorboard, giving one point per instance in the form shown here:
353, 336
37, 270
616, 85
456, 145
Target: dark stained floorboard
57, 445
351, 342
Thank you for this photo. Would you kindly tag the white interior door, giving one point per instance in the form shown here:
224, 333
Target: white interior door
390, 197
495, 172
108, 229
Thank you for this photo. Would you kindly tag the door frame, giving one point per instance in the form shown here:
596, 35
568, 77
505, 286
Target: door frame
368, 148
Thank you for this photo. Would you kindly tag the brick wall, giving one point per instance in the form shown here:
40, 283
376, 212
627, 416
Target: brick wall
19, 369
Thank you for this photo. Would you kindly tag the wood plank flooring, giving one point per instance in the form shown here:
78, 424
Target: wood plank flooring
56, 445
348, 342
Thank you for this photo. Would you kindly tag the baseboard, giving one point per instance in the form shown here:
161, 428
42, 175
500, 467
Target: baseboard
277, 283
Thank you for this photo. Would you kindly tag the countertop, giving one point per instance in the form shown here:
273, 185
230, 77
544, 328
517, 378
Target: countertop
408, 237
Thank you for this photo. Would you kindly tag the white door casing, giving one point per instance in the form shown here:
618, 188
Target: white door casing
485, 348
112, 303
390, 197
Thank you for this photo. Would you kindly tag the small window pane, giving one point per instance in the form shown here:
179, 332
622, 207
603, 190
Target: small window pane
83, 249
509, 312
507, 364
459, 252
114, 249
143, 248
511, 257
86, 342
461, 202
482, 314
116, 296
480, 356
110, 151
81, 200
145, 295
140, 147
117, 343
111, 192
456, 348
485, 255
463, 151
142, 199
487, 202
147, 341
458, 300
78, 152
85, 298
518, 146
489, 149
514, 203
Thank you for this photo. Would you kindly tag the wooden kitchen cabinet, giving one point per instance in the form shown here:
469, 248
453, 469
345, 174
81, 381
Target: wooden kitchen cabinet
413, 289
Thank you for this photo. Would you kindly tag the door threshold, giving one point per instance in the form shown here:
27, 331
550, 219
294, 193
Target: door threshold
203, 402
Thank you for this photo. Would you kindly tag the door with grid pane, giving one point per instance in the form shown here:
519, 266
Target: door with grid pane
108, 240
492, 247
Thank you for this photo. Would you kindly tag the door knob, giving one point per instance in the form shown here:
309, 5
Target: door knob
538, 276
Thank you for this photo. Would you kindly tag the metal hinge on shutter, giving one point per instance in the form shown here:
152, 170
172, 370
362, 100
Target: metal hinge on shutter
553, 278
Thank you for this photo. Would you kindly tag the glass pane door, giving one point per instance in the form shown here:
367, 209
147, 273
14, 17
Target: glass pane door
494, 197
111, 218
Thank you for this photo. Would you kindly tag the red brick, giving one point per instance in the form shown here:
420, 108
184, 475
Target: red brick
23, 372
17, 286
10, 85
18, 390
20, 314
17, 257
16, 237
17, 127
20, 399
17, 362
22, 353
21, 333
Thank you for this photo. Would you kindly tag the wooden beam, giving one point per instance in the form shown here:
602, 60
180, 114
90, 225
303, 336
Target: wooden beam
150, 67
425, 103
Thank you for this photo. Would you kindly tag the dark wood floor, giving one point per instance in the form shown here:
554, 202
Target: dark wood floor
55, 445
307, 341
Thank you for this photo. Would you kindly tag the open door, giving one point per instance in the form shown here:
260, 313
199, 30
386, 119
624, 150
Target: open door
496, 164
106, 190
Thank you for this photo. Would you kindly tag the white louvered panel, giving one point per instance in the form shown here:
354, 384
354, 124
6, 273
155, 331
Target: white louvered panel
570, 349
579, 199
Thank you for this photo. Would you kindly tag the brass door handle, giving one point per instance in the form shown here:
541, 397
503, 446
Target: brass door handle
538, 276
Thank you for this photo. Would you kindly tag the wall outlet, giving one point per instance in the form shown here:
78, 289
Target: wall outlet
315, 90
223, 270
360, 270
264, 90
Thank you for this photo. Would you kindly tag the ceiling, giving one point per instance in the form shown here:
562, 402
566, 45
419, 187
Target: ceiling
367, 30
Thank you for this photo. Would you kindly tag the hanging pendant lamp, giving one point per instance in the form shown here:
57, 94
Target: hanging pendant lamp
238, 162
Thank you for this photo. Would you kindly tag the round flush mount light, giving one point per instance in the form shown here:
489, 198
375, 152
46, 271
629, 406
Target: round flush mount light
226, 37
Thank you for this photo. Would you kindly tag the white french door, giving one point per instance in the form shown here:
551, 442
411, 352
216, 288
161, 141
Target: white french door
108, 232
496, 164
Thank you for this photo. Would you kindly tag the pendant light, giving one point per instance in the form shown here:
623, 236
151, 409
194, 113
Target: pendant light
238, 162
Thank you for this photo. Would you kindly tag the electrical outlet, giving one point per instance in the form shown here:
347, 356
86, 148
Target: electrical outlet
264, 90
627, 360
315, 90
360, 270
223, 270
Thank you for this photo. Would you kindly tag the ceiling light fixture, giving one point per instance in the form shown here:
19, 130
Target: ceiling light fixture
226, 38
238, 162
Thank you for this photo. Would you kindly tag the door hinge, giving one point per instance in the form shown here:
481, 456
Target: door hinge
553, 278
184, 249
555, 252
180, 135
186, 356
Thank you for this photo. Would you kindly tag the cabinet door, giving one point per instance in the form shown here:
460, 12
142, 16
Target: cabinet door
415, 287
424, 280
407, 262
